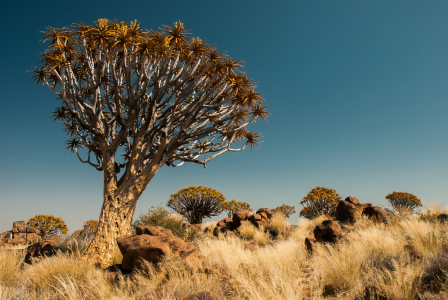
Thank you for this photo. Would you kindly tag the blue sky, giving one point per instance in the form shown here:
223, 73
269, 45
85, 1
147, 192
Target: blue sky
357, 89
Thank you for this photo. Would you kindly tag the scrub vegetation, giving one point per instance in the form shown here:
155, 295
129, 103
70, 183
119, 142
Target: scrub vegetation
372, 262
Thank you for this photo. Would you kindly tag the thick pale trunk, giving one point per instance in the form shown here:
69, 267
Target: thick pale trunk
115, 220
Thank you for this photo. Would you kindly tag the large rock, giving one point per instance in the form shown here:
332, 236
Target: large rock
226, 222
40, 249
218, 230
254, 218
267, 211
239, 216
328, 231
151, 244
352, 200
18, 223
349, 212
31, 229
376, 213
310, 244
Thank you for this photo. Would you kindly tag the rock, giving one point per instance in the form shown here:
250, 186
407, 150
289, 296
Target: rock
18, 223
6, 235
239, 216
310, 244
33, 238
154, 231
229, 234
442, 218
352, 200
286, 234
328, 231
264, 217
267, 211
197, 227
150, 248
329, 290
261, 224
218, 229
15, 230
202, 296
192, 259
20, 238
40, 249
348, 212
30, 229
376, 213
207, 230
254, 218
226, 222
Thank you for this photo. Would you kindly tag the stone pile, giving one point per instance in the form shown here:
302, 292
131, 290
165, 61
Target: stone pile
19, 234
228, 226
348, 211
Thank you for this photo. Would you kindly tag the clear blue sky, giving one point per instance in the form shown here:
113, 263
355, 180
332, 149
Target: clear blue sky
358, 93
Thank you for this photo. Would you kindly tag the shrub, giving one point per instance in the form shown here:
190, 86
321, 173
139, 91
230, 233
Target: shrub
88, 231
278, 223
247, 230
196, 202
403, 202
435, 272
286, 210
319, 201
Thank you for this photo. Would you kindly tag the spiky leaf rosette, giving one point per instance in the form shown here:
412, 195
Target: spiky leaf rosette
196, 202
232, 206
153, 95
320, 201
285, 210
402, 201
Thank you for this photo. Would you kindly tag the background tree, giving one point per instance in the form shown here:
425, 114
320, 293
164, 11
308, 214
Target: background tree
88, 231
159, 98
195, 203
232, 206
403, 202
48, 225
319, 201
285, 210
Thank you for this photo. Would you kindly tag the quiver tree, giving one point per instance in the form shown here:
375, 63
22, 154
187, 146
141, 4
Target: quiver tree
285, 210
48, 225
319, 201
232, 206
155, 97
88, 231
403, 202
196, 202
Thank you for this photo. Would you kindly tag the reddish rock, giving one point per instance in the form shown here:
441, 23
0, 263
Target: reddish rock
261, 224
31, 229
376, 213
267, 211
226, 222
254, 218
348, 212
352, 200
328, 231
310, 244
202, 296
229, 234
219, 229
15, 230
154, 231
207, 230
239, 216
33, 238
20, 238
6, 235
40, 249
18, 223
192, 259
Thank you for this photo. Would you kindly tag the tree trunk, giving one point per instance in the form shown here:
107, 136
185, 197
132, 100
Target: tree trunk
115, 219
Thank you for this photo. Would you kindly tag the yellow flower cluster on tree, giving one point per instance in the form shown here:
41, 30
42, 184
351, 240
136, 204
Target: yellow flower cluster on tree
88, 231
232, 206
48, 225
319, 201
196, 202
285, 210
402, 201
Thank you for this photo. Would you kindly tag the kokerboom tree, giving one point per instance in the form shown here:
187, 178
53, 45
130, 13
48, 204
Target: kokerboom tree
157, 97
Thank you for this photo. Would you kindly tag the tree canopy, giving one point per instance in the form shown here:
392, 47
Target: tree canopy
402, 201
319, 201
48, 225
196, 202
232, 206
285, 210
88, 231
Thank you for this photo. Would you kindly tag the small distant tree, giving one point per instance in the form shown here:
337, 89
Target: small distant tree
285, 210
403, 202
88, 232
48, 225
319, 201
196, 202
232, 206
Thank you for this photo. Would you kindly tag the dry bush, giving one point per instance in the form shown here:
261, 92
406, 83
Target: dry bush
278, 223
10, 262
247, 230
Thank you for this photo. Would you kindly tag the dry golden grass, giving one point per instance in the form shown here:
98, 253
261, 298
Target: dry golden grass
371, 255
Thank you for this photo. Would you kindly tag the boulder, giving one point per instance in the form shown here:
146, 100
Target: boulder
192, 259
18, 223
254, 218
264, 216
442, 218
352, 200
348, 212
226, 222
267, 211
328, 231
219, 229
6, 235
202, 296
33, 238
261, 224
40, 249
376, 213
239, 216
310, 244
31, 229
154, 245
20, 238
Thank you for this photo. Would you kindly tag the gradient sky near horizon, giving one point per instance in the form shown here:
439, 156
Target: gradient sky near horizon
358, 93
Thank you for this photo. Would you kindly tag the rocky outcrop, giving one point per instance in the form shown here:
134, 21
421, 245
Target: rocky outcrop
350, 210
154, 244
40, 249
376, 213
19, 234
328, 231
